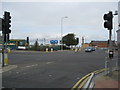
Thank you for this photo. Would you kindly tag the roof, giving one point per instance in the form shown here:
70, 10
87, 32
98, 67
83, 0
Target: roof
17, 39
118, 30
99, 42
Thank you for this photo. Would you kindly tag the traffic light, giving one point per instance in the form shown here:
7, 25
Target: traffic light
6, 26
7, 19
3, 26
27, 40
77, 40
108, 20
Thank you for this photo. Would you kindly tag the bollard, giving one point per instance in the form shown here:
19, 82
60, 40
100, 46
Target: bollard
5, 58
46, 49
79, 49
75, 49
8, 50
51, 49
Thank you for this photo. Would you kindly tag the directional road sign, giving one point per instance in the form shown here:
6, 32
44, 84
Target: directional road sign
53, 41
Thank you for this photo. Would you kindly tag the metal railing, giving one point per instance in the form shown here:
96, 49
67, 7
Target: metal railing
111, 64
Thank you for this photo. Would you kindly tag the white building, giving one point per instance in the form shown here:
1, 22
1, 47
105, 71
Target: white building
118, 35
118, 31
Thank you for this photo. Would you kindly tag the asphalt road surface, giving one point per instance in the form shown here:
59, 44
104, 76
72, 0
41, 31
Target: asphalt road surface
52, 69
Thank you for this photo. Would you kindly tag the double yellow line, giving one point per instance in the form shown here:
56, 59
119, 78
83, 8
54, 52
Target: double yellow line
83, 80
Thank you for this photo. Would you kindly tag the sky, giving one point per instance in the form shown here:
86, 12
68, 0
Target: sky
42, 20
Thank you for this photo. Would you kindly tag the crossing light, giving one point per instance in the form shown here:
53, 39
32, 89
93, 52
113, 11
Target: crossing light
108, 20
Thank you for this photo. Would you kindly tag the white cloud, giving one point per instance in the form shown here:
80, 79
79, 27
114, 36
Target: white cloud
43, 19
60, 0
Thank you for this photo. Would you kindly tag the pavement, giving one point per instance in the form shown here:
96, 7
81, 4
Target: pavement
107, 81
7, 68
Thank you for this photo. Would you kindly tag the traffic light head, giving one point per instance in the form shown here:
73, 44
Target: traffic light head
108, 20
3, 26
6, 26
7, 19
28, 40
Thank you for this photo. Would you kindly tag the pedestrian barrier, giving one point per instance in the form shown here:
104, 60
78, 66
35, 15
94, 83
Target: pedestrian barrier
111, 64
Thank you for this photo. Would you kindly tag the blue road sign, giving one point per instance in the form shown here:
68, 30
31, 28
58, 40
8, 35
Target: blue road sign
53, 41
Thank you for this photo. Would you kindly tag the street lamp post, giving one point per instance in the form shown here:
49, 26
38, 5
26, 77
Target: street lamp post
62, 31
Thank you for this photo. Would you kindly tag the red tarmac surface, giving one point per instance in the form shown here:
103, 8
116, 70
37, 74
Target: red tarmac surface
107, 84
108, 81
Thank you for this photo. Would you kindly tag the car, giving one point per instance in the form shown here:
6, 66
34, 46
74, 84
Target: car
88, 49
93, 49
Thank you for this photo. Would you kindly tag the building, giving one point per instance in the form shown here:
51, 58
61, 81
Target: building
99, 44
118, 34
118, 38
103, 44
17, 44
118, 31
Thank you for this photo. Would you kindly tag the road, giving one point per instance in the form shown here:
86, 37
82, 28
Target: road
51, 69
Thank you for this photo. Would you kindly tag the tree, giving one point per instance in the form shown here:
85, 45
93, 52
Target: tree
36, 43
70, 39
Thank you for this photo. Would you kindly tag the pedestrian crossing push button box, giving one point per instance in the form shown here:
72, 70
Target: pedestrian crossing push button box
111, 54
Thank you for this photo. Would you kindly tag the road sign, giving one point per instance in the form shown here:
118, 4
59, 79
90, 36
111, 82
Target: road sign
53, 41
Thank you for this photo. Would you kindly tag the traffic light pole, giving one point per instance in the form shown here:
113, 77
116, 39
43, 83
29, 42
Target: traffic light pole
110, 52
109, 25
3, 48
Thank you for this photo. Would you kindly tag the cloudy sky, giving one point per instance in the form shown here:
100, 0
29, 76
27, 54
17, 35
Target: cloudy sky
40, 20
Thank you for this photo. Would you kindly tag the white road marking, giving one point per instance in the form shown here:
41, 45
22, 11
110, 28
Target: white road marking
31, 65
50, 75
49, 62
17, 72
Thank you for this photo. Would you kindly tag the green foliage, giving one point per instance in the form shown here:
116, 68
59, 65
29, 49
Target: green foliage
70, 39
36, 44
